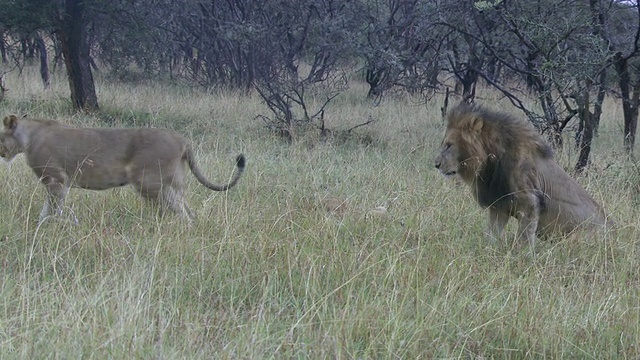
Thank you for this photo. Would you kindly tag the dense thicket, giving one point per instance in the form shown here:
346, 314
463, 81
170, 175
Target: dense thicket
567, 54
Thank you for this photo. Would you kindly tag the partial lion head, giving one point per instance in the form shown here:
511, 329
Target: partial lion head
462, 151
9, 145
448, 161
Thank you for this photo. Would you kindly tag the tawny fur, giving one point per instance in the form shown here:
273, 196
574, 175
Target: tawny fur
511, 171
151, 160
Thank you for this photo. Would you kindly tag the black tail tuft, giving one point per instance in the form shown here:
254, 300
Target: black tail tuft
240, 161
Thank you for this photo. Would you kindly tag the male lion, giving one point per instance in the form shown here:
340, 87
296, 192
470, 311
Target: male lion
511, 170
152, 160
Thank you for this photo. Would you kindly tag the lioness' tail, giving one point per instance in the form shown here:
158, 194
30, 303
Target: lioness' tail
240, 164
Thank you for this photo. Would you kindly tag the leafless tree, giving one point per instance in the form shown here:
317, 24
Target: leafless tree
401, 46
619, 26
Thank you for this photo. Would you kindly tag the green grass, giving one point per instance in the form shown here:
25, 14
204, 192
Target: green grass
268, 272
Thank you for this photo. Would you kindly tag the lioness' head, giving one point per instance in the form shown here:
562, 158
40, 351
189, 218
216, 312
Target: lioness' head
9, 145
462, 150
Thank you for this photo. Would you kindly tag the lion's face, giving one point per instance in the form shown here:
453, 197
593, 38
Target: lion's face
449, 159
9, 147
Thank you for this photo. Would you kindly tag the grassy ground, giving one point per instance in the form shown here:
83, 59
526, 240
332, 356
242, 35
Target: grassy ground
269, 272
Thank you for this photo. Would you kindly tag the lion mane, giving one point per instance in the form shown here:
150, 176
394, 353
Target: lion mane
511, 171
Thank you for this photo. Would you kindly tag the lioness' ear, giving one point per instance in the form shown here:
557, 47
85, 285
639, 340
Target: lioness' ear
476, 124
10, 122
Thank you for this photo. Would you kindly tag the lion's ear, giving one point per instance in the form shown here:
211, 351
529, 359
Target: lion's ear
476, 124
10, 122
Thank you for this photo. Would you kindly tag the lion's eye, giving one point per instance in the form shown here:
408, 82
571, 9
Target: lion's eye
447, 146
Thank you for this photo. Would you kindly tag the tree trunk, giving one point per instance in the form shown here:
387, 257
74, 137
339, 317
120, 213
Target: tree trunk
469, 85
2, 88
630, 114
587, 122
375, 78
629, 101
3, 48
597, 107
585, 143
75, 50
550, 114
44, 64
57, 54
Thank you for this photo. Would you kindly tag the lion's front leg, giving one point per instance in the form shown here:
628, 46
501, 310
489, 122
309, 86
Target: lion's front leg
56, 194
44, 213
497, 222
53, 202
528, 214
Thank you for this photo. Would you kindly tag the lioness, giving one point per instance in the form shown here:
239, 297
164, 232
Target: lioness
151, 160
511, 170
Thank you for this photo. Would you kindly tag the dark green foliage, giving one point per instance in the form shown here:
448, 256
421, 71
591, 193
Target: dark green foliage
25, 17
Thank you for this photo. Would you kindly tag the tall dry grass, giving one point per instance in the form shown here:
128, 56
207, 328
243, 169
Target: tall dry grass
270, 271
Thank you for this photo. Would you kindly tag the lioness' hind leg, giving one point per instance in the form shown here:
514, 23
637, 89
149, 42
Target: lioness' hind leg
167, 197
163, 186
173, 198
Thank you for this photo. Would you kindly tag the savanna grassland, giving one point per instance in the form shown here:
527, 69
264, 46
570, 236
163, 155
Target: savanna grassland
269, 270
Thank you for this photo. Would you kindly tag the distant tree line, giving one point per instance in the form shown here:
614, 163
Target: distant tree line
566, 54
